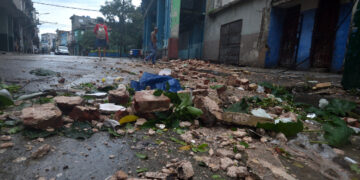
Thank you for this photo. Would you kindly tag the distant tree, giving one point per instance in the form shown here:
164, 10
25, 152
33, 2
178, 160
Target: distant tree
126, 23
87, 41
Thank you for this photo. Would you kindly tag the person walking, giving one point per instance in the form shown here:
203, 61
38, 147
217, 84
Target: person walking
153, 46
102, 37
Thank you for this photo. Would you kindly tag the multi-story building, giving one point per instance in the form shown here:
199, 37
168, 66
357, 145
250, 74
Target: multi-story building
79, 24
48, 42
18, 30
62, 38
300, 34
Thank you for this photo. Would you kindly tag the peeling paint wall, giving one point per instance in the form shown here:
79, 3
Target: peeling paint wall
252, 43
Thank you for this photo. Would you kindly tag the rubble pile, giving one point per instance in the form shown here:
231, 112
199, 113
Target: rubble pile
223, 122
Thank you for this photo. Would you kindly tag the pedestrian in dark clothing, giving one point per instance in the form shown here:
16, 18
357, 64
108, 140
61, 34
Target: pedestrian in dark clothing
102, 37
153, 46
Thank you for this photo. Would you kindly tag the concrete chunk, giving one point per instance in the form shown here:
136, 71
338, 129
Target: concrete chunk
244, 119
146, 102
42, 117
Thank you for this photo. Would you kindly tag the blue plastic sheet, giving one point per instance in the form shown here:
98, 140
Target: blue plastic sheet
156, 82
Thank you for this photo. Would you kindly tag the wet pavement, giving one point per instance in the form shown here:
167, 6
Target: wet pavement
92, 158
15, 69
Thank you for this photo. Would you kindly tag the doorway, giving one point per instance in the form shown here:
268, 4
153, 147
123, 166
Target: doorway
324, 33
230, 39
290, 38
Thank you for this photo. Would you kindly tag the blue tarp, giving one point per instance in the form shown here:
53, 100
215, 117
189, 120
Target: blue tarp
156, 82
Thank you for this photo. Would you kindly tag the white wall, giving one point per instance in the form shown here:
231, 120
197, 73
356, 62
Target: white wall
250, 11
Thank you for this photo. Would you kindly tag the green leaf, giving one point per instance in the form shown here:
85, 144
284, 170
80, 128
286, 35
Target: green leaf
340, 107
35, 133
141, 156
185, 100
178, 141
15, 130
179, 131
79, 130
167, 86
194, 111
243, 143
242, 107
203, 148
289, 129
336, 132
174, 98
5, 98
216, 176
158, 92
141, 170
216, 86
355, 168
114, 133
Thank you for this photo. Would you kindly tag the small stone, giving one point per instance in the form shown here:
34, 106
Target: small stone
239, 134
211, 152
350, 120
151, 132
247, 139
5, 138
235, 172
50, 129
95, 130
41, 151
263, 139
185, 170
121, 175
225, 163
121, 132
281, 137
339, 151
225, 153
253, 86
185, 124
140, 122
111, 156
238, 156
6, 145
82, 113
131, 131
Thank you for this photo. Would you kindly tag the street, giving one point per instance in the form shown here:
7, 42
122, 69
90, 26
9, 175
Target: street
138, 151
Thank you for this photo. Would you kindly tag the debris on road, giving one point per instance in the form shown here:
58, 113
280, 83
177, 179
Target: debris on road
85, 113
41, 151
42, 116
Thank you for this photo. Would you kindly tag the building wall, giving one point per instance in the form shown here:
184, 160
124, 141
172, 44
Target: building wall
308, 12
251, 12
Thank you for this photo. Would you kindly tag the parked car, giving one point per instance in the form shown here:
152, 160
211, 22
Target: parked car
62, 50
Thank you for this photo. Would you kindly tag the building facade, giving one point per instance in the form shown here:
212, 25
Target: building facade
299, 34
79, 24
47, 43
62, 38
180, 24
18, 30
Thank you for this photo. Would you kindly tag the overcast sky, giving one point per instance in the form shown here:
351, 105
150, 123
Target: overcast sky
61, 16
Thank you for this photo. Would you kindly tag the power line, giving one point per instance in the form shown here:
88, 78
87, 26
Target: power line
68, 7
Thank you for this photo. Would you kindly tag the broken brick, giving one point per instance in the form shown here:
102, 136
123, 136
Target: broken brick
211, 110
147, 102
42, 117
120, 97
66, 104
83, 113
233, 81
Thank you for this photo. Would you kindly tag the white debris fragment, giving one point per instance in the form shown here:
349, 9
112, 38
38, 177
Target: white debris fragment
160, 126
260, 89
349, 160
165, 72
323, 103
260, 113
283, 120
111, 108
311, 115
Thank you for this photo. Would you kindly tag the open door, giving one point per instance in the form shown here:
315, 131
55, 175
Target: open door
324, 33
290, 38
